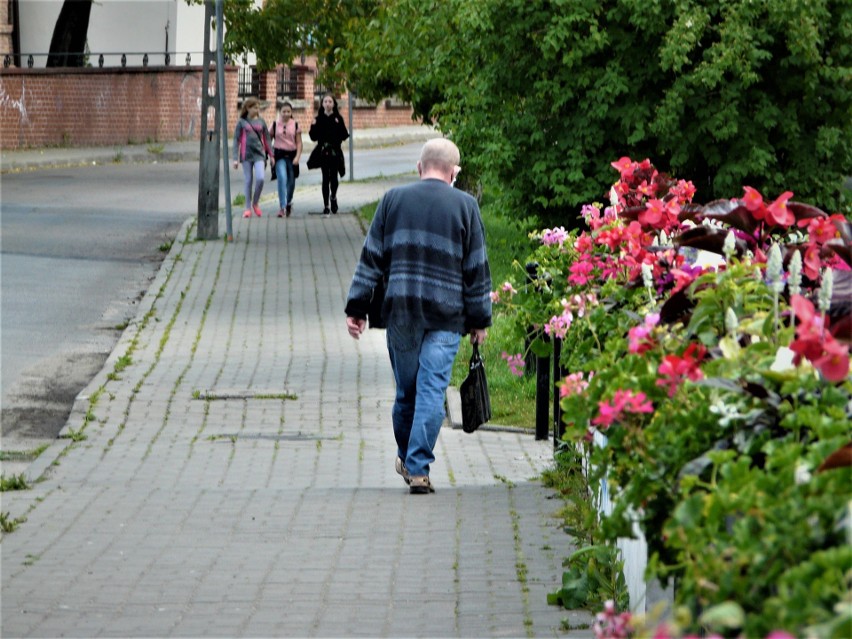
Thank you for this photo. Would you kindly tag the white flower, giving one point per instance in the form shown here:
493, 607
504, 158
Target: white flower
802, 473
774, 269
825, 290
795, 279
731, 321
783, 361
730, 245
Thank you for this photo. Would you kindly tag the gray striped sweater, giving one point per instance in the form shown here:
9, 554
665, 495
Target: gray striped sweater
429, 240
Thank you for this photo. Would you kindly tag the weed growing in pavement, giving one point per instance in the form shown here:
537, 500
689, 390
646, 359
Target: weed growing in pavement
156, 149
166, 246
22, 455
13, 482
78, 435
123, 362
239, 199
8, 525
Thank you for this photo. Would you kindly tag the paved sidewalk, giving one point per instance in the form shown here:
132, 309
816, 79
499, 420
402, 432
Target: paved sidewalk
236, 474
26, 159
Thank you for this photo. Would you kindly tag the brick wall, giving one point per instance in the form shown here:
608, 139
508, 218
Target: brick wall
94, 107
111, 106
385, 113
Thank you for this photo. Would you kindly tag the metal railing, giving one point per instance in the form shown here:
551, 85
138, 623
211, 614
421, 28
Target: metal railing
90, 60
248, 82
285, 85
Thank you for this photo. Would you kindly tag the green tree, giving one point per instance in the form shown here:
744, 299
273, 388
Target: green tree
543, 94
280, 31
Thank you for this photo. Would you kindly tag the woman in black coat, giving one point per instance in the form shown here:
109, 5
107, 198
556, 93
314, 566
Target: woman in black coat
329, 132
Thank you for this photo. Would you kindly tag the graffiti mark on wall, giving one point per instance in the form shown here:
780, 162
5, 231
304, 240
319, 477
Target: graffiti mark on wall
190, 109
7, 102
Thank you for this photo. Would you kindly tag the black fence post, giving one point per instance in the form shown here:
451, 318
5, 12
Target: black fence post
542, 398
558, 427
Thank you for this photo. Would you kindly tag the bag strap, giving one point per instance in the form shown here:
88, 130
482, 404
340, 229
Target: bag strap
475, 357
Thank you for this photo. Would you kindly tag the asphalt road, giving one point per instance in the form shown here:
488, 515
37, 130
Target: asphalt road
79, 249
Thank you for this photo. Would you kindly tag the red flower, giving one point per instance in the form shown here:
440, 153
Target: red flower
834, 361
625, 166
777, 213
814, 343
674, 370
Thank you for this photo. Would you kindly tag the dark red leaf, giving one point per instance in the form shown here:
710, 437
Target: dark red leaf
732, 213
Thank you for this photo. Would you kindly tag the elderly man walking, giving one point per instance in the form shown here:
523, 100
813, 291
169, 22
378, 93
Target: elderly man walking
427, 242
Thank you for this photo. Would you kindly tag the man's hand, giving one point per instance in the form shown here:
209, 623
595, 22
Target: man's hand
478, 335
355, 326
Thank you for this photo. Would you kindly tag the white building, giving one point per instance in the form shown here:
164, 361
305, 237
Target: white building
116, 27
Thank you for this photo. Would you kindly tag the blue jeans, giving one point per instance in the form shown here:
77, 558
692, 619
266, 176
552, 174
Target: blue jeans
422, 362
286, 181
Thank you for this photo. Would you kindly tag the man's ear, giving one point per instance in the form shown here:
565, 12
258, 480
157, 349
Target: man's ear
419, 168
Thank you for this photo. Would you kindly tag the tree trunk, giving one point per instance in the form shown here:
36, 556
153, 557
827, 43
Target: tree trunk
69, 34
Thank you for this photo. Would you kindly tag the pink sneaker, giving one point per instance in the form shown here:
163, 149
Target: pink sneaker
256, 210
247, 213
281, 213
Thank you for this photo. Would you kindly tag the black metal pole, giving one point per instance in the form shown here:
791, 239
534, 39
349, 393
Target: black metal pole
558, 427
542, 398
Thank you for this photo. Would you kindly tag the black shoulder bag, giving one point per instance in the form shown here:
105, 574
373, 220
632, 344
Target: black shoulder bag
475, 400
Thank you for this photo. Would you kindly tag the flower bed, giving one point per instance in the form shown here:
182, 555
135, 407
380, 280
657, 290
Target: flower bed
710, 345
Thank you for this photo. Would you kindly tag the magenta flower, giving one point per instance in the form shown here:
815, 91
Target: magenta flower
624, 401
580, 272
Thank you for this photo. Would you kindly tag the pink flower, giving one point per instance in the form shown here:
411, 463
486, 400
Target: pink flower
638, 335
516, 363
625, 166
753, 201
553, 236
779, 634
777, 213
820, 229
559, 324
573, 384
683, 191
610, 624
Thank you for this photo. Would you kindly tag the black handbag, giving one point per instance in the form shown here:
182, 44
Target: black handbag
314, 158
475, 400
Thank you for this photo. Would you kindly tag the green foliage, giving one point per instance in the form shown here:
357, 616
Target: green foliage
730, 93
279, 31
594, 576
718, 460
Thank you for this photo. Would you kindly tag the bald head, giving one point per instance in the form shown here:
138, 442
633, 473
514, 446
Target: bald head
439, 154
